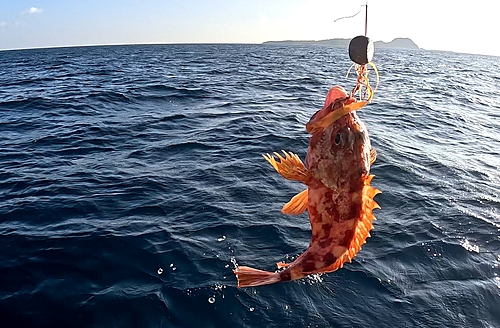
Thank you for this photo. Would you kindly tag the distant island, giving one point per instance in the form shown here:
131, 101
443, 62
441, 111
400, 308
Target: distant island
398, 43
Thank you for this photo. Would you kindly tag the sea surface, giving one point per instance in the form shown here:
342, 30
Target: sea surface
132, 183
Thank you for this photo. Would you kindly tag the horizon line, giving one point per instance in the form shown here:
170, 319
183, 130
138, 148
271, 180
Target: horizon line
218, 43
124, 44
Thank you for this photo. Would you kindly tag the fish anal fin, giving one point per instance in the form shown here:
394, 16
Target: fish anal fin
282, 265
297, 205
290, 166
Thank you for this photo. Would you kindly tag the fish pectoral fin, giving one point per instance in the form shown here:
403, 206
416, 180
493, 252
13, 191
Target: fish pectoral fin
373, 156
297, 205
290, 166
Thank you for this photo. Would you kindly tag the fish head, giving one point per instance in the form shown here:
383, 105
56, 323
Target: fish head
339, 148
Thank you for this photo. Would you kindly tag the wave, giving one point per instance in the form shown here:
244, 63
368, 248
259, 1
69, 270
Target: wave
132, 181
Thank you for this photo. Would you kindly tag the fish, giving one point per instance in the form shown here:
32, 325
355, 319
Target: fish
339, 198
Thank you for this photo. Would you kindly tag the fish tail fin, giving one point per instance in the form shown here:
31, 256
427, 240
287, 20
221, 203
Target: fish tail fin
249, 277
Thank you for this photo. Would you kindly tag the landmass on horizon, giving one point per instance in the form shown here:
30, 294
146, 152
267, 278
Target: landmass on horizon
398, 43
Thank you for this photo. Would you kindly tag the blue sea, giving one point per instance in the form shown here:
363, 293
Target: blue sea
132, 183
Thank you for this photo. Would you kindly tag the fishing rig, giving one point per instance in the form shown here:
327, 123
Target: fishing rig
361, 50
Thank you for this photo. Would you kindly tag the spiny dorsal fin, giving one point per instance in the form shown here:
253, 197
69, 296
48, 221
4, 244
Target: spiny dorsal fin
363, 225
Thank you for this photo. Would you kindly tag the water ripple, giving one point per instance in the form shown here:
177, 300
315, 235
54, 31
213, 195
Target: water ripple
119, 161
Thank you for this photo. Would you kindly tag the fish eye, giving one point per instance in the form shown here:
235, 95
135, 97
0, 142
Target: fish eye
342, 137
338, 138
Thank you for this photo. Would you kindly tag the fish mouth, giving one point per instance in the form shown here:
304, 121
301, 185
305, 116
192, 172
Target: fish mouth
334, 111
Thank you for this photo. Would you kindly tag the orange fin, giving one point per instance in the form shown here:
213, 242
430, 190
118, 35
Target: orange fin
363, 225
249, 277
373, 156
297, 205
282, 265
290, 166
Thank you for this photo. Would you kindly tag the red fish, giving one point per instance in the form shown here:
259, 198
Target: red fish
338, 198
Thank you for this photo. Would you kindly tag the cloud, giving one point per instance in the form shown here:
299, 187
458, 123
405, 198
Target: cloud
33, 10
3, 24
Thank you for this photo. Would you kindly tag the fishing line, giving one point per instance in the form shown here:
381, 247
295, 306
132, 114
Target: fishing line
361, 50
356, 14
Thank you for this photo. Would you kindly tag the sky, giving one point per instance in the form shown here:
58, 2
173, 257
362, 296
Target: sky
460, 26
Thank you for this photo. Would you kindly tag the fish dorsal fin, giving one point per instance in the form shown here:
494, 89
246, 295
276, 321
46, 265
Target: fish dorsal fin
297, 205
373, 156
363, 225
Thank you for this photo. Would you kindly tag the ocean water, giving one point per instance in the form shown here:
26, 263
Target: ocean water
132, 182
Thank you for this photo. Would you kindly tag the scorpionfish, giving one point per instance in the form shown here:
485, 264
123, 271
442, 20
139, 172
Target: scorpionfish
338, 198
